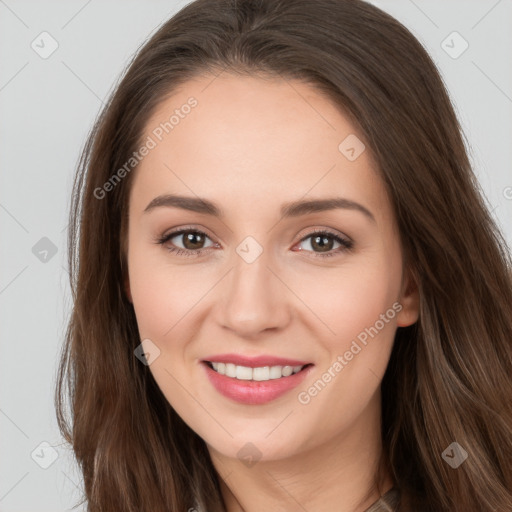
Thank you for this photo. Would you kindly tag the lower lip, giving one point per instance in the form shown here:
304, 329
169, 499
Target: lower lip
252, 392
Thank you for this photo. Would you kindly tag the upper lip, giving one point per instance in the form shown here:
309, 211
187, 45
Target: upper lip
254, 362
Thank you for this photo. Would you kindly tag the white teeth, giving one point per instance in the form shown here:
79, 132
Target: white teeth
230, 370
276, 372
261, 373
243, 373
258, 374
287, 371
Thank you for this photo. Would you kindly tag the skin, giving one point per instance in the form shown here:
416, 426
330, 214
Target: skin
250, 145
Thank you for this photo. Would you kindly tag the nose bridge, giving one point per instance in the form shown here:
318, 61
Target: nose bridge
255, 299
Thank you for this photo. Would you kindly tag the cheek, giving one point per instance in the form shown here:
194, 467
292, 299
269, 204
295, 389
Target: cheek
352, 297
165, 300
358, 306
162, 293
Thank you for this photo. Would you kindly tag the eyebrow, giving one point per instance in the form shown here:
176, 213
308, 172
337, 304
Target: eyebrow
292, 209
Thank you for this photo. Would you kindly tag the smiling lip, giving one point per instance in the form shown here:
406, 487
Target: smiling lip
254, 362
251, 392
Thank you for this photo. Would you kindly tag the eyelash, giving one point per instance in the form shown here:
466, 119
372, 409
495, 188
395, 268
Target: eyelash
346, 245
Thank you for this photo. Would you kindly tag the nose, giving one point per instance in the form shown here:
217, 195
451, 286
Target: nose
254, 298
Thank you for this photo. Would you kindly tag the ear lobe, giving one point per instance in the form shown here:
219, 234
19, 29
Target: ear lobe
410, 302
127, 289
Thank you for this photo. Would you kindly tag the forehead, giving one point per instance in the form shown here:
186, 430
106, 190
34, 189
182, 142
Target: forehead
245, 137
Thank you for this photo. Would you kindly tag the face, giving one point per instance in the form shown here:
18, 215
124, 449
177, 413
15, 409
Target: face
255, 275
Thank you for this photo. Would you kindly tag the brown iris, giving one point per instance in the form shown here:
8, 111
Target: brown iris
193, 240
323, 242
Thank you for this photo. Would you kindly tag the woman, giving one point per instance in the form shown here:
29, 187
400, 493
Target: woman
288, 291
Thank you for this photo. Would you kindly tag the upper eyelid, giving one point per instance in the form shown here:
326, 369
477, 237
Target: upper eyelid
181, 231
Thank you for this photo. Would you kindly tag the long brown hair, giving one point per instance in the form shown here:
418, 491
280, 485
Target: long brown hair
449, 376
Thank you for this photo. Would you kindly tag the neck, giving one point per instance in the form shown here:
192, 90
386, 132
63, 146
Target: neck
340, 474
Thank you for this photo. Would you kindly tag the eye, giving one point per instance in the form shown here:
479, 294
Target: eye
321, 243
192, 241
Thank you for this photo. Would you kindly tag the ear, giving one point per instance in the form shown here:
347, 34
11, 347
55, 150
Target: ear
127, 288
410, 301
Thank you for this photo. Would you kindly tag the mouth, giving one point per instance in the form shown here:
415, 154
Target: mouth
254, 385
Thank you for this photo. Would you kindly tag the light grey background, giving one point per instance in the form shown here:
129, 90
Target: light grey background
47, 107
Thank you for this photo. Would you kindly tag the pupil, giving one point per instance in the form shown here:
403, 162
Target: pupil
322, 242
